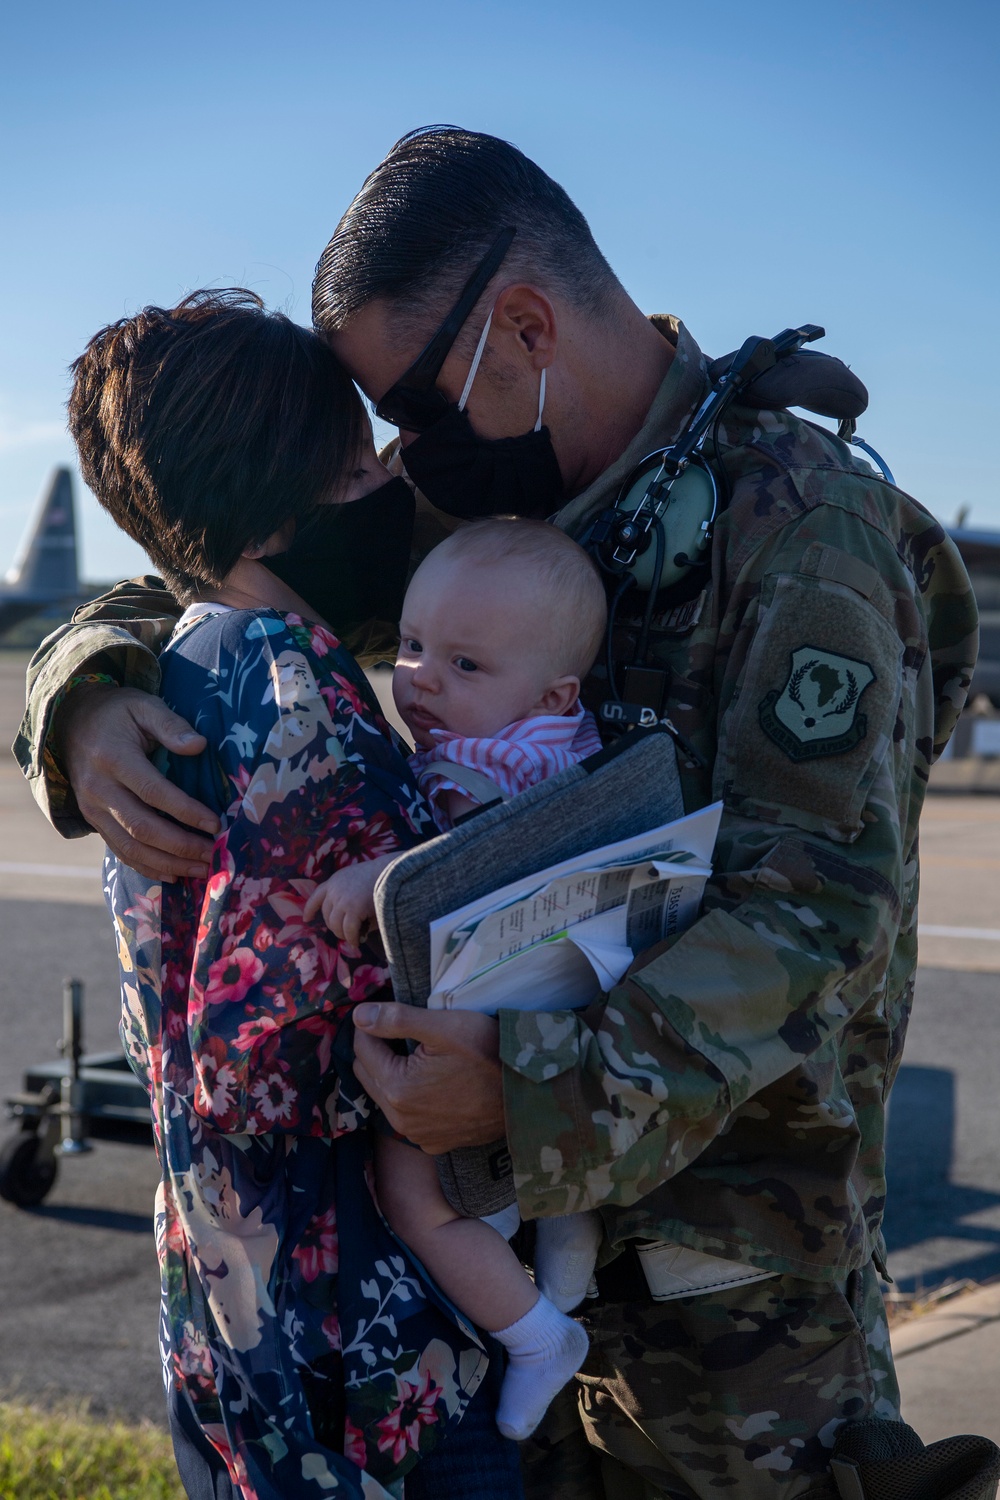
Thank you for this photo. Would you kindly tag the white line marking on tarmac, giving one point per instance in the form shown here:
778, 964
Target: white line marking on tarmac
72, 872
979, 934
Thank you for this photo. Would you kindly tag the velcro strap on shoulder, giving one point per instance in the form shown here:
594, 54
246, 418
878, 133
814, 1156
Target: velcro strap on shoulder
840, 567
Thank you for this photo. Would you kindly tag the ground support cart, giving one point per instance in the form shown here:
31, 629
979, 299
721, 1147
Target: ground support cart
64, 1104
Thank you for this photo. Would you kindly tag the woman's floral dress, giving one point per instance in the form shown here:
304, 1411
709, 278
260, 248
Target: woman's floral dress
312, 1350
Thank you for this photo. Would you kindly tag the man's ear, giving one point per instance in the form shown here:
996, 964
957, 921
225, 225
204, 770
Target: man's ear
559, 697
525, 315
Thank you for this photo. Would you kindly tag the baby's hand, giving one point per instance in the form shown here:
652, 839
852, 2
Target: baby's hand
347, 900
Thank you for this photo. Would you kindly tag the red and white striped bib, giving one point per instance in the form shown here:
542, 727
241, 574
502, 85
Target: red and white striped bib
526, 751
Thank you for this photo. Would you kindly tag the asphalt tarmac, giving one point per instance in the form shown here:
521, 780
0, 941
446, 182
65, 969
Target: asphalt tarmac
78, 1283
78, 1277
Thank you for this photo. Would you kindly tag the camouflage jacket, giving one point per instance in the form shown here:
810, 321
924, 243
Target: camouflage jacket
730, 1093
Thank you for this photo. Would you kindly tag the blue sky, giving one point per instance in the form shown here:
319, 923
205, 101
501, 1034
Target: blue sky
745, 166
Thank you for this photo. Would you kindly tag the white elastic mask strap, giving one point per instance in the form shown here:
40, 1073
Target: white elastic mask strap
467, 387
541, 401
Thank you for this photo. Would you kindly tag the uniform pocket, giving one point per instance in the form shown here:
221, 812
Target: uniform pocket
815, 709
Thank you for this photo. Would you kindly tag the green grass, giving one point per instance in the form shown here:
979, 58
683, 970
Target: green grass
68, 1455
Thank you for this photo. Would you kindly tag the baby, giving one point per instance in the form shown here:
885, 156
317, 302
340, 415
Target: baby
500, 624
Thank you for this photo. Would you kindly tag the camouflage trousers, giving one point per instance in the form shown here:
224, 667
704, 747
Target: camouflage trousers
731, 1393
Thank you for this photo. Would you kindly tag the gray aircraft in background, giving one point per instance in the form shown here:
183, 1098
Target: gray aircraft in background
44, 576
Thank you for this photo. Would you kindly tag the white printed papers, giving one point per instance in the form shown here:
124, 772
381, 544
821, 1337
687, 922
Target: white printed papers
558, 938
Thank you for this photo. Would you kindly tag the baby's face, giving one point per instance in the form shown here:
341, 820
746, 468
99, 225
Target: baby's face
474, 654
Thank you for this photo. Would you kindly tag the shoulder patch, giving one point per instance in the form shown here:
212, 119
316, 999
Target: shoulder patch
803, 736
817, 713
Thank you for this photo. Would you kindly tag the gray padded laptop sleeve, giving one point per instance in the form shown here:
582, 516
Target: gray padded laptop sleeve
619, 793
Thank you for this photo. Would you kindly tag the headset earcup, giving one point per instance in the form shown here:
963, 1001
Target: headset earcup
687, 521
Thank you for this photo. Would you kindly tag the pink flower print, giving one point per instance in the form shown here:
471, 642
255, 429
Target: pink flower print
239, 922
354, 1442
306, 961
145, 916
220, 880
154, 1060
288, 904
359, 980
194, 1357
251, 1033
215, 1081
322, 641
318, 1250
217, 1436
331, 1328
231, 977
365, 980
417, 1408
174, 1238
241, 1479
275, 1099
252, 891
357, 838
240, 779
350, 695
176, 1025
315, 963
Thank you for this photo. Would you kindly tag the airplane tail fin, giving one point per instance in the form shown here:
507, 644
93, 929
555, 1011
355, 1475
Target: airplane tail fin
45, 567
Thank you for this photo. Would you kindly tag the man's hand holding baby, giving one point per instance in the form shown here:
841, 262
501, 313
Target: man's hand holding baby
447, 1093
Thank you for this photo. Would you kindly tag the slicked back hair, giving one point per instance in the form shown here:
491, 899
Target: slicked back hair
429, 213
204, 427
567, 585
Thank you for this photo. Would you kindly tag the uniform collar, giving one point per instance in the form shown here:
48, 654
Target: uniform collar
683, 388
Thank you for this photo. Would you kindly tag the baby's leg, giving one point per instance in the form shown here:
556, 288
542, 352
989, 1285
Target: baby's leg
468, 1260
565, 1256
479, 1271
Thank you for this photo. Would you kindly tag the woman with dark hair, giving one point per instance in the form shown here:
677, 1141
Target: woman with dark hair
305, 1353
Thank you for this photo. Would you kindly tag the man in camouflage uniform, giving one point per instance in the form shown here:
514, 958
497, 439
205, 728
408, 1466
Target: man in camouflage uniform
729, 1095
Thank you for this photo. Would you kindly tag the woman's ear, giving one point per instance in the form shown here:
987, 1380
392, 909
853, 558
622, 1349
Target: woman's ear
559, 697
278, 541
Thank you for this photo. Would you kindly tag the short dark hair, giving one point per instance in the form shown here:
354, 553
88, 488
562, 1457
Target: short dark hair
431, 210
204, 427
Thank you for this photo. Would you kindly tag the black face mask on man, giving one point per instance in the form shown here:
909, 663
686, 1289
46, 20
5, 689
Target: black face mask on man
470, 476
350, 561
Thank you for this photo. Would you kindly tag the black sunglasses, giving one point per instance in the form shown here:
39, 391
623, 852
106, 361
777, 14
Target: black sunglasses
414, 402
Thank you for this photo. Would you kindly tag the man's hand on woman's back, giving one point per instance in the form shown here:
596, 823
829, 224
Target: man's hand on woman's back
105, 737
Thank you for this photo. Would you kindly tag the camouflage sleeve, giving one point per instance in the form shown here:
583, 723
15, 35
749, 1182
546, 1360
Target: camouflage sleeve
829, 716
117, 638
603, 1106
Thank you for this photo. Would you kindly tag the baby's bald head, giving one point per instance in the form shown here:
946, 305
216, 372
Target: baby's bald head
562, 581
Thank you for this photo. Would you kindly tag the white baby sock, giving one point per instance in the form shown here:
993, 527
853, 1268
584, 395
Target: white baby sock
544, 1349
565, 1256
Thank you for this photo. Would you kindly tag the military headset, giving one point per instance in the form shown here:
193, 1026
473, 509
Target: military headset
676, 489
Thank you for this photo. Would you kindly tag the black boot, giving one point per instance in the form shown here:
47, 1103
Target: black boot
877, 1460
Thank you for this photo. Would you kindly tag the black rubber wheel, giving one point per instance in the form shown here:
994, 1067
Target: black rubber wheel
26, 1172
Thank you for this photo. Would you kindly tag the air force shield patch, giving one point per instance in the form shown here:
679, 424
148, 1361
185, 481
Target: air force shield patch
816, 712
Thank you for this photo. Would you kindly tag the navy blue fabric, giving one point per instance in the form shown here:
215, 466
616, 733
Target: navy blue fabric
474, 1463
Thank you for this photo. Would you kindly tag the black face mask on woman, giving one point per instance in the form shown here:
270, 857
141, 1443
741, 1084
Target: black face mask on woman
350, 561
470, 476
